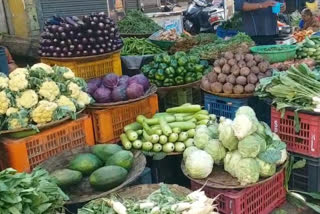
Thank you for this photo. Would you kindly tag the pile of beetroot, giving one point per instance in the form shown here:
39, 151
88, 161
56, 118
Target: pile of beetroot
113, 88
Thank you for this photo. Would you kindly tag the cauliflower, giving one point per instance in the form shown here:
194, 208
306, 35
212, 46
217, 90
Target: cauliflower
64, 101
83, 99
44, 111
19, 72
18, 82
18, 119
74, 89
4, 102
27, 99
3, 81
11, 110
43, 66
49, 90
68, 74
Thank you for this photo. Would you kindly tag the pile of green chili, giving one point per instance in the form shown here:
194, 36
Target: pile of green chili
135, 46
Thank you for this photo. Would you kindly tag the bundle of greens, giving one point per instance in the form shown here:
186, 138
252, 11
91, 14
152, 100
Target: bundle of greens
235, 23
33, 193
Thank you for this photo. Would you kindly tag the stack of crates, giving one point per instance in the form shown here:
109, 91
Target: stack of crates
302, 143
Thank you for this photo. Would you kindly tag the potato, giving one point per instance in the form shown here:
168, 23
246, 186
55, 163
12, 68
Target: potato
245, 71
248, 57
204, 78
205, 84
216, 63
241, 80
252, 78
269, 73
227, 88
226, 69
222, 78
255, 70
261, 75
239, 57
249, 88
242, 64
212, 77
232, 62
238, 89
263, 66
231, 78
251, 63
222, 61
228, 55
235, 70
217, 69
216, 87
258, 58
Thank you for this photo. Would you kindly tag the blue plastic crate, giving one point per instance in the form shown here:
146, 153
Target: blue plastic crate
222, 33
222, 106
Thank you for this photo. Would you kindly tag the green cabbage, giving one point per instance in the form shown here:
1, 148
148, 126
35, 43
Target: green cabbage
216, 150
226, 136
243, 126
188, 151
199, 164
250, 146
201, 139
246, 110
231, 161
266, 169
247, 171
213, 130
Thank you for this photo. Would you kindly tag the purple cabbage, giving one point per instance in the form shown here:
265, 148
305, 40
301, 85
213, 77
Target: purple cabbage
93, 85
124, 80
134, 91
140, 79
110, 81
102, 95
119, 94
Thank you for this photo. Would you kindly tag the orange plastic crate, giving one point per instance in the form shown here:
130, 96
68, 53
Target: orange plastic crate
108, 123
26, 153
89, 67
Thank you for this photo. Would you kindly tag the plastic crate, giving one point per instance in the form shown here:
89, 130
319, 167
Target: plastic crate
259, 199
222, 106
108, 123
26, 153
222, 33
306, 141
307, 178
89, 67
288, 52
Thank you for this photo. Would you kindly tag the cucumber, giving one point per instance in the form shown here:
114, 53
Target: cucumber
133, 126
184, 109
147, 146
140, 118
154, 138
163, 139
139, 132
173, 137
155, 121
168, 147
189, 142
125, 142
137, 144
157, 147
191, 132
202, 117
155, 127
205, 112
166, 130
147, 128
158, 132
145, 135
203, 122
176, 130
179, 147
183, 136
132, 135
185, 126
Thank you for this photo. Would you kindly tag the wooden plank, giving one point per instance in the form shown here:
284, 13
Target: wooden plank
3, 20
8, 17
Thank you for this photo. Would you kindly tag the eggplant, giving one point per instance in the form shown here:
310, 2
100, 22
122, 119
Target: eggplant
55, 54
108, 50
43, 54
114, 47
89, 47
78, 53
86, 19
101, 25
112, 29
63, 44
92, 40
70, 21
44, 35
103, 45
51, 35
69, 42
111, 40
97, 46
69, 54
92, 24
112, 35
51, 48
62, 55
65, 50
54, 28
48, 54
106, 32
42, 42
85, 53
80, 47
56, 35
71, 34
109, 44
107, 26
63, 35
100, 39
79, 35
60, 29
94, 52
76, 41
72, 47
95, 19
39, 52
55, 41
89, 32
84, 41
106, 38
58, 50
99, 32
101, 51
107, 21
102, 14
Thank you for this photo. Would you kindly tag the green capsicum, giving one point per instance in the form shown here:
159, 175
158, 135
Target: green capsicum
166, 59
181, 71
179, 54
160, 75
179, 80
170, 71
194, 59
174, 63
168, 82
199, 76
198, 68
189, 77
163, 66
151, 74
182, 61
158, 83
158, 58
190, 67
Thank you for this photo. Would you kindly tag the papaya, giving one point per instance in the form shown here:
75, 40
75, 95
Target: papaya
66, 177
85, 163
107, 177
122, 158
104, 151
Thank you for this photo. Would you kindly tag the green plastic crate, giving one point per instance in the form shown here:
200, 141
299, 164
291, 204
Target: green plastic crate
288, 52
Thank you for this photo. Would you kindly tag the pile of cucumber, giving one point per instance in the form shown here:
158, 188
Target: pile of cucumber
309, 49
171, 131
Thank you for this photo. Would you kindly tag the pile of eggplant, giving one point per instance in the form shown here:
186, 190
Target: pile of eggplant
76, 37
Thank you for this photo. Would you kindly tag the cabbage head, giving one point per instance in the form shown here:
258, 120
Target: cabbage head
266, 169
227, 137
201, 139
247, 171
246, 110
213, 130
199, 164
231, 161
216, 150
244, 126
284, 156
188, 151
250, 146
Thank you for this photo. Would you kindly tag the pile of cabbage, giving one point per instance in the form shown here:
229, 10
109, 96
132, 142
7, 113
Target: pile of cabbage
246, 148
40, 94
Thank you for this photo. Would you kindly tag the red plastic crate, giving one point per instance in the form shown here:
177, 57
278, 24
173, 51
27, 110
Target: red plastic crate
259, 199
306, 141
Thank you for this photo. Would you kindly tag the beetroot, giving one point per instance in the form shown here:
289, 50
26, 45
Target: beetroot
134, 91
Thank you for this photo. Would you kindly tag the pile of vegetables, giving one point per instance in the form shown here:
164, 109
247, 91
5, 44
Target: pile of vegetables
299, 87
212, 51
235, 23
310, 48
283, 66
75, 37
246, 147
107, 166
178, 69
299, 36
236, 74
135, 46
112, 88
162, 201
168, 35
40, 94
168, 132
33, 193
136, 22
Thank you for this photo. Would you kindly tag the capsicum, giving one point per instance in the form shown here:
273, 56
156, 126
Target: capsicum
179, 54
151, 74
158, 58
163, 66
179, 80
166, 59
198, 68
159, 75
181, 71
194, 59
170, 71
189, 77
190, 67
168, 82
182, 61
174, 63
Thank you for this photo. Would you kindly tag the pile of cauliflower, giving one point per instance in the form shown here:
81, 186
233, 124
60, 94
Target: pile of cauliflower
247, 148
40, 94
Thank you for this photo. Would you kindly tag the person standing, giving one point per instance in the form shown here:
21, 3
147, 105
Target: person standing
259, 21
310, 22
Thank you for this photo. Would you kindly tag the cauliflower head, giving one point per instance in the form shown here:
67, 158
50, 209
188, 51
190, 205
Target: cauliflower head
83, 99
44, 111
49, 90
27, 99
18, 83
4, 80
74, 89
11, 110
68, 74
19, 72
45, 67
64, 101
18, 119
4, 102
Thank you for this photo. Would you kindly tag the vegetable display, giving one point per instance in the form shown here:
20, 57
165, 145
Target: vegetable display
309, 49
112, 88
106, 167
168, 35
75, 37
39, 95
246, 148
235, 23
236, 74
283, 66
299, 36
178, 69
135, 46
168, 132
162, 201
33, 193
136, 22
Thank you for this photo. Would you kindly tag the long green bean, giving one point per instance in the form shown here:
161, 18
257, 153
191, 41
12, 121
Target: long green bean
135, 46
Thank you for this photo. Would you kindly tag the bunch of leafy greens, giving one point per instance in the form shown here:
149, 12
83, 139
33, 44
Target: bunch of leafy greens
235, 23
33, 193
